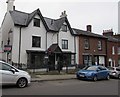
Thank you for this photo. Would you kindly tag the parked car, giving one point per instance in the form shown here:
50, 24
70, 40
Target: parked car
12, 75
114, 72
93, 73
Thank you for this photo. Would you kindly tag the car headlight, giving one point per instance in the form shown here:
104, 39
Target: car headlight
114, 73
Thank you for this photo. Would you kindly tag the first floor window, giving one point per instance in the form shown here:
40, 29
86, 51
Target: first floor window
64, 44
86, 44
99, 45
36, 41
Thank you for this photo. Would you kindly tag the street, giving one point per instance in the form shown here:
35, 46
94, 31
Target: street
66, 87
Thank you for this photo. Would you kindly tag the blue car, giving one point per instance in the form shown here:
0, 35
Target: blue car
94, 73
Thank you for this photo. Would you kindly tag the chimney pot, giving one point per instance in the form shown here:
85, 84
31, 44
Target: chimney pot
63, 14
89, 28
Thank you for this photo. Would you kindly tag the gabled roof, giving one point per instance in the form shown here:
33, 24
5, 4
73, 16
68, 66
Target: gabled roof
23, 19
86, 33
54, 48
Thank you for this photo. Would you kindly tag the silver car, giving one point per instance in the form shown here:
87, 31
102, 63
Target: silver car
114, 72
12, 75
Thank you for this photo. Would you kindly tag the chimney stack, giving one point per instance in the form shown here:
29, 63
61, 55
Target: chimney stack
108, 32
89, 28
10, 4
63, 14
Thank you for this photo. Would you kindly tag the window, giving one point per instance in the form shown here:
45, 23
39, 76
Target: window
36, 41
5, 67
64, 28
113, 50
64, 44
87, 59
99, 45
86, 44
102, 68
36, 22
73, 59
118, 50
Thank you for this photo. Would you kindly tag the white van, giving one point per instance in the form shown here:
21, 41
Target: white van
12, 75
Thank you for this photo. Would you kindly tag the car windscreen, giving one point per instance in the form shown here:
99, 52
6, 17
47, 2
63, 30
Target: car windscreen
110, 68
91, 68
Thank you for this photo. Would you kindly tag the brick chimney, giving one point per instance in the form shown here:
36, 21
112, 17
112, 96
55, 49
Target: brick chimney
89, 28
108, 32
63, 14
10, 6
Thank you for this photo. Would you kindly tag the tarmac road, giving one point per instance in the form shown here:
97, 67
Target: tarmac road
66, 87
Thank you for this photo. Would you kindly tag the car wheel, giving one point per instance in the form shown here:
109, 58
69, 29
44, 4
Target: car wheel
22, 82
108, 77
95, 78
119, 76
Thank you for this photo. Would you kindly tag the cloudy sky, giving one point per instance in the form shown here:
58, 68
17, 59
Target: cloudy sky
101, 14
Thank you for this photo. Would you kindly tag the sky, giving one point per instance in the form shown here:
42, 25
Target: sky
101, 14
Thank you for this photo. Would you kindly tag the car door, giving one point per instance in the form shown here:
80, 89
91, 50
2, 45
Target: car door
103, 72
99, 73
7, 75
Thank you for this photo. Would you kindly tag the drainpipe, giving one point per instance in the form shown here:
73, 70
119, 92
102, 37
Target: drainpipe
46, 40
58, 38
19, 55
75, 48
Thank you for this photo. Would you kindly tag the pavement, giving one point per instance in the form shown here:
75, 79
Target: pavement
39, 78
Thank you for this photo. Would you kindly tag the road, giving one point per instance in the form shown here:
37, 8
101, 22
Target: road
66, 87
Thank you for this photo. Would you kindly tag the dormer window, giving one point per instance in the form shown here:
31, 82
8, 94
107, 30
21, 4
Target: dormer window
64, 28
36, 22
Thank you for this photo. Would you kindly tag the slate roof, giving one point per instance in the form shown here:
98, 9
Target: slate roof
23, 19
19, 18
86, 33
54, 24
112, 39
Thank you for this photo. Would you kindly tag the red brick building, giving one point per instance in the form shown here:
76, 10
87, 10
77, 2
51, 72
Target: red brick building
112, 48
92, 47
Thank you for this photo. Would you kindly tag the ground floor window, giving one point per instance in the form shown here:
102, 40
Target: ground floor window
73, 59
36, 61
87, 60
